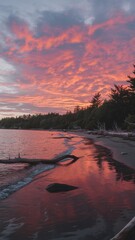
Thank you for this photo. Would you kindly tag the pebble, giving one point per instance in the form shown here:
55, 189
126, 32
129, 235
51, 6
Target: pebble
124, 153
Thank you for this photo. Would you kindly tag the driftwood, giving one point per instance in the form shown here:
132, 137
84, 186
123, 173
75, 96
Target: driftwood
69, 137
130, 123
127, 233
37, 161
124, 135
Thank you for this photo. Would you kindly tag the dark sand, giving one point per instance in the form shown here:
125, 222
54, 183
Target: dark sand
123, 150
33, 213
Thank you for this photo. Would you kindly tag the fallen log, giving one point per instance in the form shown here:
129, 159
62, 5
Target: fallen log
127, 233
69, 137
37, 161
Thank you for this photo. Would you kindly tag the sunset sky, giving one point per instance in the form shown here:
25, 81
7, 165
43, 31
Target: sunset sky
55, 55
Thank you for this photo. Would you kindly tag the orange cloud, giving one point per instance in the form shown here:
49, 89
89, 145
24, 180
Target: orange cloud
66, 69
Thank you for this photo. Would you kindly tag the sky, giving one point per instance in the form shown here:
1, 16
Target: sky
55, 55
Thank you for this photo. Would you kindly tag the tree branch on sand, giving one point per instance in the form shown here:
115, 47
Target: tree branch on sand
127, 232
37, 161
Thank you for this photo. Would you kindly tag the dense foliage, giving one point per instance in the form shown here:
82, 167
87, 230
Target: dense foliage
116, 112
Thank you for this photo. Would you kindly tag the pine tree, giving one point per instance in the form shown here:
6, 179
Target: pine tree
96, 100
132, 81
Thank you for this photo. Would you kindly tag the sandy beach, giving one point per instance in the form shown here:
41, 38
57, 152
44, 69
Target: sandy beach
122, 150
99, 208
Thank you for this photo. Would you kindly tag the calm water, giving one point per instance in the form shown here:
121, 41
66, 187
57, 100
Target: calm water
29, 144
98, 209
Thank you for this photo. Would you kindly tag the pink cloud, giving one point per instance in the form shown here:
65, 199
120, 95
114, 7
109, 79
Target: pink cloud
67, 68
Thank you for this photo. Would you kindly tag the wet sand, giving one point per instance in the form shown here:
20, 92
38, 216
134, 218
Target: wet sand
123, 150
101, 206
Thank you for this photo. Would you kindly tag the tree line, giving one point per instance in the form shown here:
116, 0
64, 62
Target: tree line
118, 111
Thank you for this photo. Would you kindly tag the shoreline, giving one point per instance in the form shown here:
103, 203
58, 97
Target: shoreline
64, 208
123, 150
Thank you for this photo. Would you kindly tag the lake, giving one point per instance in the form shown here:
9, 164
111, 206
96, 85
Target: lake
99, 208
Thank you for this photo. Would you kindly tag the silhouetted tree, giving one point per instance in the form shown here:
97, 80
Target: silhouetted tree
96, 100
119, 109
119, 94
132, 81
77, 109
120, 100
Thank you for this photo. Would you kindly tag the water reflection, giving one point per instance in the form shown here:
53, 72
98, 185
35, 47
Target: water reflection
30, 144
99, 208
123, 172
27, 144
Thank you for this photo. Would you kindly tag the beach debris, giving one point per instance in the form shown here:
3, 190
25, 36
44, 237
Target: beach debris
60, 187
124, 153
119, 134
55, 160
128, 232
67, 137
